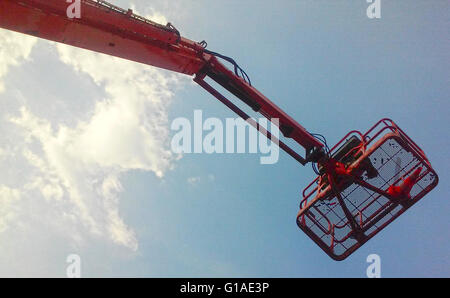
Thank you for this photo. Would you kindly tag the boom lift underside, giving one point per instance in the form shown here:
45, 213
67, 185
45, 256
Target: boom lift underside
378, 176
364, 182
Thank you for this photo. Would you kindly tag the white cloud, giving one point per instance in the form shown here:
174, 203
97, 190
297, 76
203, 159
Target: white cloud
14, 48
8, 197
70, 174
157, 18
130, 128
152, 15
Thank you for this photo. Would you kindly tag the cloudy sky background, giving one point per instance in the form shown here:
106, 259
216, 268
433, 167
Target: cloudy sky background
85, 143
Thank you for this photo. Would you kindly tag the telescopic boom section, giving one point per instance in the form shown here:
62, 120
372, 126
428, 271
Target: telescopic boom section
105, 28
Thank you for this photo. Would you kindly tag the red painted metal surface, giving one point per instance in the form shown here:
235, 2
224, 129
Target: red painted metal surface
250, 120
103, 29
267, 108
357, 193
353, 199
107, 29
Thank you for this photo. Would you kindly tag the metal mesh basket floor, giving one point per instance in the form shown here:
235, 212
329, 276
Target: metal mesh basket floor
395, 157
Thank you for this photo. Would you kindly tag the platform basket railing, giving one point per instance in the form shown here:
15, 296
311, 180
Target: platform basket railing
395, 157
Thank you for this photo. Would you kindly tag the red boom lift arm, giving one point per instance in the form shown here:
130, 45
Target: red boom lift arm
108, 29
363, 183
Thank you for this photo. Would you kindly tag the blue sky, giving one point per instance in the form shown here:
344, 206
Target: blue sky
126, 206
